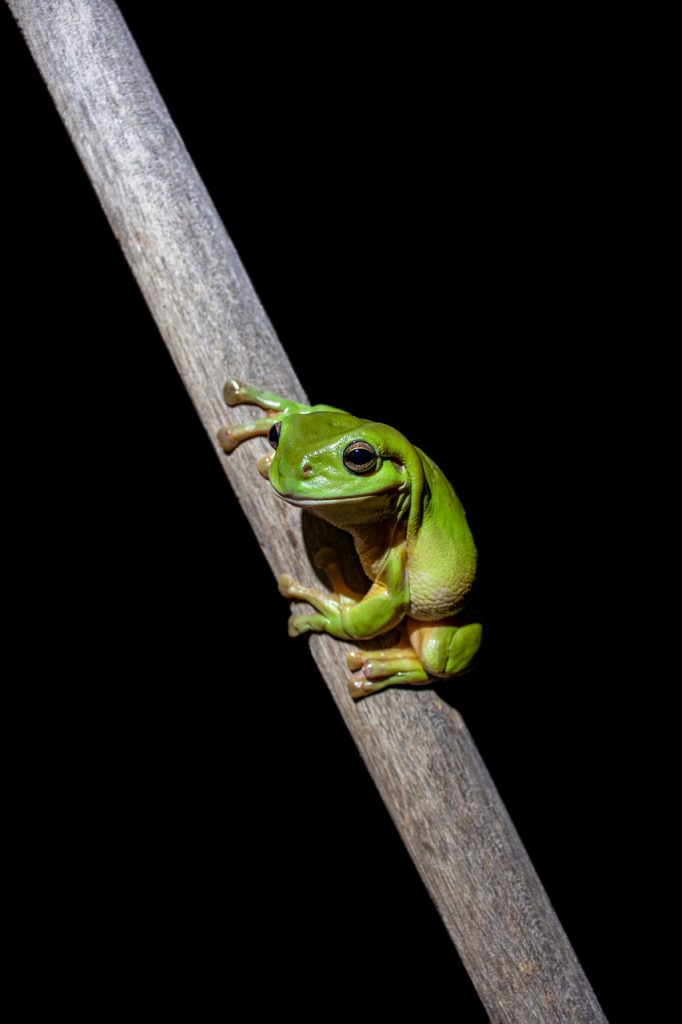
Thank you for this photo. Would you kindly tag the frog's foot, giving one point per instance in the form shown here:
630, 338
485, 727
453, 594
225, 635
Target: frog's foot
394, 666
361, 659
300, 624
327, 606
288, 587
360, 686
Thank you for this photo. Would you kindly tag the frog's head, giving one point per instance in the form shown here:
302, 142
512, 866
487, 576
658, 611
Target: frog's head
346, 470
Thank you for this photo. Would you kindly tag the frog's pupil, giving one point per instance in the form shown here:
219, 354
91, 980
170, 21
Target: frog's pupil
273, 434
359, 457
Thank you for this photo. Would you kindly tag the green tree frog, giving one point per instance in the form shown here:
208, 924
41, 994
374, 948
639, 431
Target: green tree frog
407, 524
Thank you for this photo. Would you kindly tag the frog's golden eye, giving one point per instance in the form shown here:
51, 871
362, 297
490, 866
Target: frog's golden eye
359, 457
273, 434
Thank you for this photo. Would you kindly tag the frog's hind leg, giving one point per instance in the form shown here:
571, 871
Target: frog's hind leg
428, 651
445, 648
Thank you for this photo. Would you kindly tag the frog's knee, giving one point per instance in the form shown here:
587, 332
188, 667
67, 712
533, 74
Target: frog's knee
463, 648
446, 650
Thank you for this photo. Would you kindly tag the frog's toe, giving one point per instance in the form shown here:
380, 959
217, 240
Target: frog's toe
263, 464
359, 686
293, 626
231, 391
355, 660
287, 585
227, 439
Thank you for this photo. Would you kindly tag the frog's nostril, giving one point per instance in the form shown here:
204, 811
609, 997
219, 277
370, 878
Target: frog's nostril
307, 469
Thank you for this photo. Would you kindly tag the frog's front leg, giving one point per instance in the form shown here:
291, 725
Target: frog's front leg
326, 604
230, 437
237, 393
348, 616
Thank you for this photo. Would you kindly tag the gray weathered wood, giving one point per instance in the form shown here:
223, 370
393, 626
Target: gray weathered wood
417, 749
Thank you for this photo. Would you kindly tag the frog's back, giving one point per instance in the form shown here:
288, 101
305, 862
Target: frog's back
442, 557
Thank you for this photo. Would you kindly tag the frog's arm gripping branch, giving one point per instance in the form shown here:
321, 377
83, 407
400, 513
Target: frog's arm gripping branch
275, 406
379, 610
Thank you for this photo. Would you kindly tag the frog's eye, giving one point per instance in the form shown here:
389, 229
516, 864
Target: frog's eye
273, 434
359, 457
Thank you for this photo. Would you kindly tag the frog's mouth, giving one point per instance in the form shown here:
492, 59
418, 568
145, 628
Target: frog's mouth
351, 499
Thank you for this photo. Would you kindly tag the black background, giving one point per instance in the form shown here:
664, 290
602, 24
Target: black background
435, 227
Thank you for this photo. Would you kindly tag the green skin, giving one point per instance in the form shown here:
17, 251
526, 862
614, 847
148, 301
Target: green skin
409, 529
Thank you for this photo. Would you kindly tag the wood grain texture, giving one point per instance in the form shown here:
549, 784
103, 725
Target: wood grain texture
417, 749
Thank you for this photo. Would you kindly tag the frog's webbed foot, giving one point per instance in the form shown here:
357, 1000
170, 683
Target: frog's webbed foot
235, 392
326, 605
375, 670
288, 587
300, 624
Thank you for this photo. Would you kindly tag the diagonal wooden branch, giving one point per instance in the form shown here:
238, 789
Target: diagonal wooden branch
417, 749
